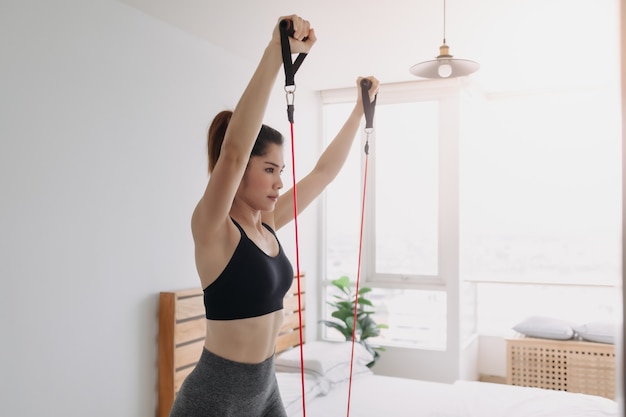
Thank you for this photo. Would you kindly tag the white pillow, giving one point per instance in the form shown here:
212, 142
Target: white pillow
341, 373
597, 331
290, 386
546, 328
322, 357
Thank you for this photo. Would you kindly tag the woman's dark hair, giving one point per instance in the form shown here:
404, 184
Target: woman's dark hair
217, 130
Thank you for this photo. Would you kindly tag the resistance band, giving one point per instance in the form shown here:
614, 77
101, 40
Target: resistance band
287, 30
368, 110
291, 67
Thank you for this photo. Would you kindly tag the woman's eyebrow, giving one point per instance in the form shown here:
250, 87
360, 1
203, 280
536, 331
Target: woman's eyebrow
275, 165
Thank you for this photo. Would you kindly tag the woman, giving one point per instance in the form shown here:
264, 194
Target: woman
242, 266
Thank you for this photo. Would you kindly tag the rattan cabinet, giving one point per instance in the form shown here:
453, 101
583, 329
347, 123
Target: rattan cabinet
565, 365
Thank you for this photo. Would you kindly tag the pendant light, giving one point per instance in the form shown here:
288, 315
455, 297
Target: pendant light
445, 66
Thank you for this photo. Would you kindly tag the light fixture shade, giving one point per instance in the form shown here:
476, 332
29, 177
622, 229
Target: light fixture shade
458, 67
445, 66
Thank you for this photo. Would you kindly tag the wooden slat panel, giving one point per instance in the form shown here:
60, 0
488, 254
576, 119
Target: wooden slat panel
294, 286
291, 322
179, 377
188, 354
187, 305
189, 292
288, 340
189, 330
289, 333
190, 307
166, 352
291, 304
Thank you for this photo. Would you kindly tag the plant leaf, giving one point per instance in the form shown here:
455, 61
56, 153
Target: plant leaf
343, 283
344, 304
365, 301
346, 332
341, 315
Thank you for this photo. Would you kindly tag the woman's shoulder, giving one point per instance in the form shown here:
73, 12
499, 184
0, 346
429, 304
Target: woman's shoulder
206, 230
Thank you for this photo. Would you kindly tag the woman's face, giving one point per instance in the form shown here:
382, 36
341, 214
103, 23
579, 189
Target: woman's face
262, 181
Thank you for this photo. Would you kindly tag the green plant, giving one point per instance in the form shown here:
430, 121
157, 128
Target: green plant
366, 326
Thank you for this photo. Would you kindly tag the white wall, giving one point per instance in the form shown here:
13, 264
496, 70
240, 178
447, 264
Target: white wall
492, 355
103, 115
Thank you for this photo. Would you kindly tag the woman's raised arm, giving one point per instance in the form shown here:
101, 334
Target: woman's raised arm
328, 165
242, 130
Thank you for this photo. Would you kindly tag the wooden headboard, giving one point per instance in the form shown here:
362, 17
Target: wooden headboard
182, 328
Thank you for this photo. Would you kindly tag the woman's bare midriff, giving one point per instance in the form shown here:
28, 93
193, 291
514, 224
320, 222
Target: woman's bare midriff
250, 340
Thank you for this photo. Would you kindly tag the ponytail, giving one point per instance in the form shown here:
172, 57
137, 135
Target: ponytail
217, 130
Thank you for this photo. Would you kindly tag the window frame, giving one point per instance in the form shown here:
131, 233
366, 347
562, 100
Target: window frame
447, 94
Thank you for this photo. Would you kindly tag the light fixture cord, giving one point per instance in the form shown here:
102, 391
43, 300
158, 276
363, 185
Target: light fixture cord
444, 21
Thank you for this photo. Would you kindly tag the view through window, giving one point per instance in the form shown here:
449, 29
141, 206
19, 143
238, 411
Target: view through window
539, 205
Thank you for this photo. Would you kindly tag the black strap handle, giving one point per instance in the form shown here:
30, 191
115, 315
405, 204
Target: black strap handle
368, 106
291, 67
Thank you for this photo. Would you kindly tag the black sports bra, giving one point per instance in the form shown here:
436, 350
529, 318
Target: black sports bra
252, 284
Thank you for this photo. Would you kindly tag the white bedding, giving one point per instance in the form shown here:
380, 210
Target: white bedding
327, 371
382, 396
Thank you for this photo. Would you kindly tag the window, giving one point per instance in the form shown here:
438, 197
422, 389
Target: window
540, 212
541, 193
502, 305
416, 318
403, 199
401, 252
542, 208
344, 196
405, 193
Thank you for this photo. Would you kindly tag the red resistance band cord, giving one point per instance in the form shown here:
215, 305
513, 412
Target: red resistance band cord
295, 219
368, 110
286, 30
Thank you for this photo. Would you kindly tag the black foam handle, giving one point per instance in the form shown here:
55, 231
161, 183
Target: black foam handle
368, 107
287, 25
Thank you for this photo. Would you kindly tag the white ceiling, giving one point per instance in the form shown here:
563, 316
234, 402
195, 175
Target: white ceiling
520, 44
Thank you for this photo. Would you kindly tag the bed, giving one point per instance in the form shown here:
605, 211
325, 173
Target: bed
181, 331
327, 371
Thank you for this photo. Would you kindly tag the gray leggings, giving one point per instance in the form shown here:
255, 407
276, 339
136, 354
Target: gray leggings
219, 387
